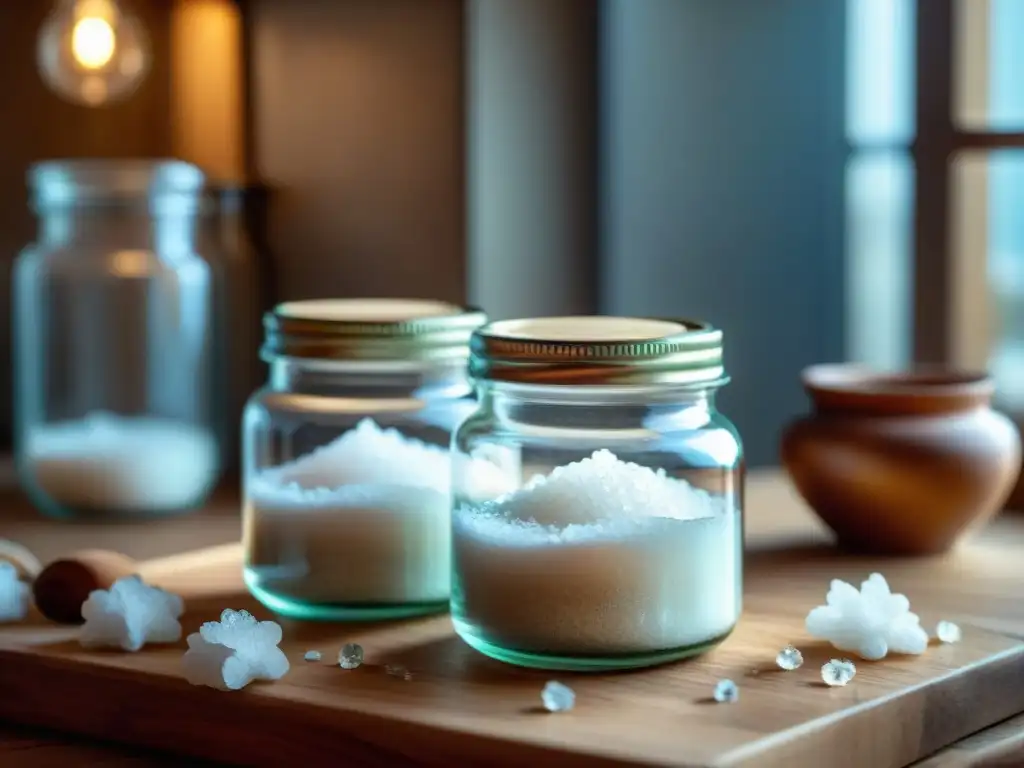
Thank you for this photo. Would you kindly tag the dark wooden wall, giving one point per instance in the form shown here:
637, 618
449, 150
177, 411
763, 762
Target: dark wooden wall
36, 124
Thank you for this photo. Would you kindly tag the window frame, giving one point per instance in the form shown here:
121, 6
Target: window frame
937, 141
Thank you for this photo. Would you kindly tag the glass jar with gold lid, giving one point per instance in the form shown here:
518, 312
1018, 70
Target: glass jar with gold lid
620, 544
346, 473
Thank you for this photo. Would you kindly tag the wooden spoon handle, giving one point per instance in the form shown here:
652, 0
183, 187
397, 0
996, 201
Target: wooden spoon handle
64, 584
201, 573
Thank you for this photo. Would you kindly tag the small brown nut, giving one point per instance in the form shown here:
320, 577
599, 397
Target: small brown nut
63, 585
28, 565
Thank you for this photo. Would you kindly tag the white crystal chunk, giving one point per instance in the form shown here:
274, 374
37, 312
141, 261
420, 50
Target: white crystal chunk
871, 622
312, 656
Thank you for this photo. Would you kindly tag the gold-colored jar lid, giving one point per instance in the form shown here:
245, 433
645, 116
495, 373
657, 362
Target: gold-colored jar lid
598, 350
370, 329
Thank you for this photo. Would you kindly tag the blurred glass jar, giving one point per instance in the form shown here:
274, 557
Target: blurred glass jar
240, 266
345, 457
112, 305
622, 544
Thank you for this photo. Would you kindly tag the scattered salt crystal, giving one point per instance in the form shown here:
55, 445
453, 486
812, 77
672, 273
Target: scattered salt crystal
871, 622
397, 670
789, 658
838, 672
350, 656
557, 697
15, 595
948, 632
726, 692
312, 656
363, 519
111, 463
129, 615
593, 546
231, 653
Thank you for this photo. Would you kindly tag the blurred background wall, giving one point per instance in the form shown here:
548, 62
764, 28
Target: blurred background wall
823, 180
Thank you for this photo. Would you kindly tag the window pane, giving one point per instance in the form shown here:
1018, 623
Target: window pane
988, 269
879, 215
989, 65
880, 71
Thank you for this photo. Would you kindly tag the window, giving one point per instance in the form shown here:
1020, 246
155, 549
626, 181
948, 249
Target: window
935, 186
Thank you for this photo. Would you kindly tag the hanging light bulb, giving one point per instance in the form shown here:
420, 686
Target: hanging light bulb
92, 52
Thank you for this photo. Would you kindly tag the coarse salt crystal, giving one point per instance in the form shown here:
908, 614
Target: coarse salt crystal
948, 632
350, 656
789, 658
594, 545
726, 692
838, 672
557, 697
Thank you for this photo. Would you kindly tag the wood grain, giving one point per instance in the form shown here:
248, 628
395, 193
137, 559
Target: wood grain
463, 709
1001, 746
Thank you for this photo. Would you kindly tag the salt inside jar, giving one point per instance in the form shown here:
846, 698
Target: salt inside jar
347, 510
109, 463
370, 513
624, 549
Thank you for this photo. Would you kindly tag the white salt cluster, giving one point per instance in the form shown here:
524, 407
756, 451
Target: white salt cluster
871, 622
117, 463
231, 653
129, 615
370, 456
15, 595
600, 556
363, 519
598, 497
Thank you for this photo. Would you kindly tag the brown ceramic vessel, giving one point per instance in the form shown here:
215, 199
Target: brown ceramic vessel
901, 464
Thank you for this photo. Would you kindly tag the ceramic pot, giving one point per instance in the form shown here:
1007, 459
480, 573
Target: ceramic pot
901, 464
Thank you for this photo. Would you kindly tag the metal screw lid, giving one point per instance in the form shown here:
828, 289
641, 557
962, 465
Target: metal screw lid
370, 329
598, 350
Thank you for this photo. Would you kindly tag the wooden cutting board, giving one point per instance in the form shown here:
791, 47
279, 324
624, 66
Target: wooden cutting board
460, 708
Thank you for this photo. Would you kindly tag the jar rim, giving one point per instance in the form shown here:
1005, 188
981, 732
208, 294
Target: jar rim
598, 350
370, 329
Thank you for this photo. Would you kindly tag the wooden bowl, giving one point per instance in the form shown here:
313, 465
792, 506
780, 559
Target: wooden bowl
901, 464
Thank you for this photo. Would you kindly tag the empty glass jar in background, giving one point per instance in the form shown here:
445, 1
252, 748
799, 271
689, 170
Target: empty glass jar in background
241, 284
622, 543
113, 406
346, 471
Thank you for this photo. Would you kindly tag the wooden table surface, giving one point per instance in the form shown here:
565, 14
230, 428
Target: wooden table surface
1001, 745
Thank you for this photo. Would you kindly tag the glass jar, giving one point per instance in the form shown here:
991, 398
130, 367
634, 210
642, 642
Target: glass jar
240, 285
112, 307
346, 471
622, 544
